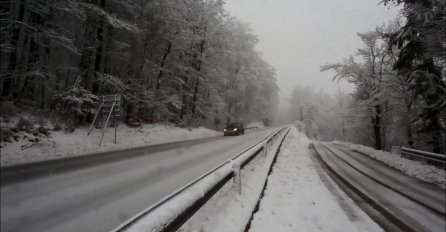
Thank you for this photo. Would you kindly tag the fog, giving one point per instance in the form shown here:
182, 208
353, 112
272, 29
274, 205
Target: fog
297, 37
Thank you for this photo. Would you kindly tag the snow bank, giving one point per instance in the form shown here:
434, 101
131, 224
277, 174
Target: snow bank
417, 169
296, 199
61, 144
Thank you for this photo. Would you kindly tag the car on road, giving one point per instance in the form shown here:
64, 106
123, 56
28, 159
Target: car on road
234, 129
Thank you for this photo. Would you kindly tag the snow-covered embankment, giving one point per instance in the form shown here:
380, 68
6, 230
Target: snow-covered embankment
60, 144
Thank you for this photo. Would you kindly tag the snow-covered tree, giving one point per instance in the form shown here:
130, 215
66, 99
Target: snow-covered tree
421, 61
185, 62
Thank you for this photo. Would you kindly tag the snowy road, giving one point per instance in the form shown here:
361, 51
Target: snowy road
298, 196
101, 197
419, 205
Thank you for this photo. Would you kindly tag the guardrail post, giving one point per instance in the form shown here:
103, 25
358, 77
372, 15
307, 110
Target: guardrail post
237, 178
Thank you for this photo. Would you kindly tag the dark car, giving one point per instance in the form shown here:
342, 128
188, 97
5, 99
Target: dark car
234, 129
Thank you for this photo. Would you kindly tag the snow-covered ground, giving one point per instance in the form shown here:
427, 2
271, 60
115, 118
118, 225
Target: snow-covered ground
417, 169
295, 199
61, 144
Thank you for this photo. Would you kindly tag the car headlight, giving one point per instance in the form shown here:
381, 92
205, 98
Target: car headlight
235, 129
224, 130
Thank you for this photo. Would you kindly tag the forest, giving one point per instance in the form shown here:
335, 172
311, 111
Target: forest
190, 63
187, 62
399, 75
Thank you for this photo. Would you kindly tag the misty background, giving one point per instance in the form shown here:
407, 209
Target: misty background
297, 37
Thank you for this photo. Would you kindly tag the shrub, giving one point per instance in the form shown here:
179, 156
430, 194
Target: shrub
5, 134
75, 104
24, 125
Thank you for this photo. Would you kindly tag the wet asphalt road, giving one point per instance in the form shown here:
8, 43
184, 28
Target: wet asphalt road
100, 197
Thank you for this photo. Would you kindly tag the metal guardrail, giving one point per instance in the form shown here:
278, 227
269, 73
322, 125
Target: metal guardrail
190, 206
430, 157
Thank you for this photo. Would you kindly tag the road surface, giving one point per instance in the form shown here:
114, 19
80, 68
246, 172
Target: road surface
420, 205
99, 198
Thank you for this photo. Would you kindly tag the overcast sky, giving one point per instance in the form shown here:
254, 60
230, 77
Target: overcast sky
298, 36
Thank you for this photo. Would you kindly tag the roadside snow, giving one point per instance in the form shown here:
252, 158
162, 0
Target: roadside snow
417, 169
297, 200
61, 144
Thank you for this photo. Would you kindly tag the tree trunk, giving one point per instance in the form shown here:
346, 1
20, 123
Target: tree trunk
198, 68
22, 56
158, 80
183, 100
4, 71
5, 56
100, 58
436, 130
436, 145
22, 34
88, 59
2, 84
163, 61
228, 119
409, 124
377, 127
194, 99
23, 69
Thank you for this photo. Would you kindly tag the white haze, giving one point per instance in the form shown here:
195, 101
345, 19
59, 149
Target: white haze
297, 37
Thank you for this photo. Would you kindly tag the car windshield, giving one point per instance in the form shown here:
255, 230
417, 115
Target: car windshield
222, 115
